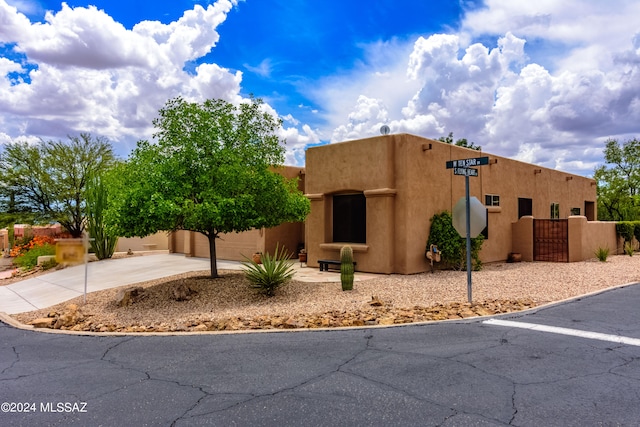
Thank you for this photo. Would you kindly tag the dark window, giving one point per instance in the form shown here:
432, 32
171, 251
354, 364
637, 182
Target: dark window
525, 207
491, 200
485, 232
575, 211
350, 218
555, 211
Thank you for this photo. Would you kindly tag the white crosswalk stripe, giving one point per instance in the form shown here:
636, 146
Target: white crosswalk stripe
565, 331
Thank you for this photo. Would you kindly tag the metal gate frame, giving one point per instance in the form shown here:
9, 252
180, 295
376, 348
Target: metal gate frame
551, 240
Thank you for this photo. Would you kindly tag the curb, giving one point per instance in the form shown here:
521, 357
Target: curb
5, 318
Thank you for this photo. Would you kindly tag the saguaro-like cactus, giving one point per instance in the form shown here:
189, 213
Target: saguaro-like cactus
346, 268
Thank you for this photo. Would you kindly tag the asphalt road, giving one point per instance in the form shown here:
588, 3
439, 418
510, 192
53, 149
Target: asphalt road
446, 374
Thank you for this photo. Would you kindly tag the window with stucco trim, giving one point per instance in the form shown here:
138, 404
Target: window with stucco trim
350, 218
555, 211
491, 200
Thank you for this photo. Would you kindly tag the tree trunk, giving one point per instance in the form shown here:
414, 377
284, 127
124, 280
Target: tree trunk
212, 253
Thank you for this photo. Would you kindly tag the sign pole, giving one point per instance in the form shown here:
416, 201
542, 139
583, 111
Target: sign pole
466, 196
466, 167
85, 242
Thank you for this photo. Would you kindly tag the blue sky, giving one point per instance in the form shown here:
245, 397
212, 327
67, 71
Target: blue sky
545, 82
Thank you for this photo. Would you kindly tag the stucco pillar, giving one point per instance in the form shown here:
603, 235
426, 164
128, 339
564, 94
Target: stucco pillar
522, 237
577, 227
315, 227
189, 238
380, 231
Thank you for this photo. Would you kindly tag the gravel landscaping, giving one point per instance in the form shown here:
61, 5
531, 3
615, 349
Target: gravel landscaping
228, 303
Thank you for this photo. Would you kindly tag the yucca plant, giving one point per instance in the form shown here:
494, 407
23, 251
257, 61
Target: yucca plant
275, 270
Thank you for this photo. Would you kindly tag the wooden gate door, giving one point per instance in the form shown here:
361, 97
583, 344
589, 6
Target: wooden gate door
551, 240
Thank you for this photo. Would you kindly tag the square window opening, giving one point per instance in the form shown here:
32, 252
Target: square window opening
350, 218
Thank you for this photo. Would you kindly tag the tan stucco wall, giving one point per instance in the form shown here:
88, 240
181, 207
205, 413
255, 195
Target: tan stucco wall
155, 242
522, 237
405, 182
594, 235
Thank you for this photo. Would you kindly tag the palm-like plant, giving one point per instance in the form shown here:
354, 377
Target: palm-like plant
274, 271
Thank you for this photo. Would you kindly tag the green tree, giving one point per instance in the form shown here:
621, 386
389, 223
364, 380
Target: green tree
462, 142
211, 171
46, 181
619, 181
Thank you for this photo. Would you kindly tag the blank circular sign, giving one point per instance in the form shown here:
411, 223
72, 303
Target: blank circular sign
477, 215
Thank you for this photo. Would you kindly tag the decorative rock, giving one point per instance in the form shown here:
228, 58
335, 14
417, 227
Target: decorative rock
376, 302
43, 322
182, 292
387, 320
200, 328
129, 296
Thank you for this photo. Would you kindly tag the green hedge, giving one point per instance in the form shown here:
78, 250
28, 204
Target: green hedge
628, 230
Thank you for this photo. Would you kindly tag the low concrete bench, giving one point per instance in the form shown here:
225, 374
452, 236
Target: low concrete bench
325, 263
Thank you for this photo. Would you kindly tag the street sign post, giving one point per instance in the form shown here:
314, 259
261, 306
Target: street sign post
465, 167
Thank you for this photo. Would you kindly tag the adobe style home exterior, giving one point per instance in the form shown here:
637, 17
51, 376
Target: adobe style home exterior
379, 194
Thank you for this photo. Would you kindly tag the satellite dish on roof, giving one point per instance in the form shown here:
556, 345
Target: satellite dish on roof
384, 130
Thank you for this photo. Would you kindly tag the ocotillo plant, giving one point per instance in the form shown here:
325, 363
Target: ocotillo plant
346, 268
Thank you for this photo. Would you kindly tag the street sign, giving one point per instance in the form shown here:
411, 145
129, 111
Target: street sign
469, 216
466, 163
465, 171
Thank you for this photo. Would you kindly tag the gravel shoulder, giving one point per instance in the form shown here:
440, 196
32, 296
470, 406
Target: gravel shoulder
229, 303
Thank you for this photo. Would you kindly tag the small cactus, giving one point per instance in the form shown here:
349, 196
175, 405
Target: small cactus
346, 268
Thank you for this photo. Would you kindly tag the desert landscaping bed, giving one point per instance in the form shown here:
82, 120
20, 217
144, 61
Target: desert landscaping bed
228, 303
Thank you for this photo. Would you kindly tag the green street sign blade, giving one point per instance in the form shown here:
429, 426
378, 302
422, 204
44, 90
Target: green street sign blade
467, 163
465, 171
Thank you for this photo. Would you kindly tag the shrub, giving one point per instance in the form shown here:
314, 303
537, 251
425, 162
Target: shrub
452, 247
628, 248
29, 259
104, 239
274, 271
625, 230
602, 254
28, 243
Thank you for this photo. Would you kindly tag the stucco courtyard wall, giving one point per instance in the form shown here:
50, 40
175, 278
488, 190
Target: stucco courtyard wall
155, 242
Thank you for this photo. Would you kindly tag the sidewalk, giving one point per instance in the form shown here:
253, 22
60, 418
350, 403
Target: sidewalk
62, 285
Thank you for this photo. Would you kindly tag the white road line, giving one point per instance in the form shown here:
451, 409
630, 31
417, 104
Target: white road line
565, 331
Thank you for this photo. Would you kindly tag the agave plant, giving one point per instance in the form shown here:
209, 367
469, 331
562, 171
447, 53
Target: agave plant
275, 270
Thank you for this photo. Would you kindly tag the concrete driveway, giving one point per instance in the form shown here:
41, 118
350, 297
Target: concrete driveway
62, 285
